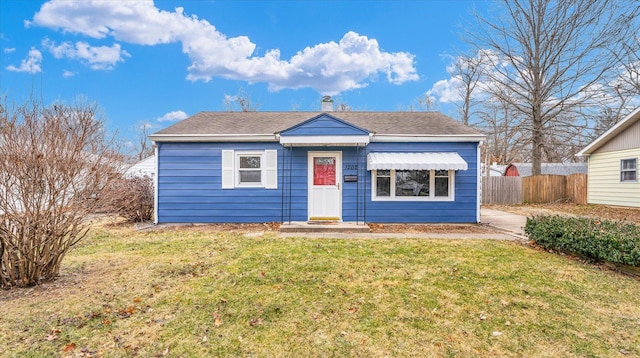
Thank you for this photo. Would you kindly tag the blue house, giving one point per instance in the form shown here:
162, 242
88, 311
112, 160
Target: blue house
252, 167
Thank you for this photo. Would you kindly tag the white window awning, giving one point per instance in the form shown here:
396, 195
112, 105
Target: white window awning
416, 161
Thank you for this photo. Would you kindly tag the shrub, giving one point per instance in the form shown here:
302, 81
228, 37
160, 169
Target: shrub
592, 239
53, 161
130, 198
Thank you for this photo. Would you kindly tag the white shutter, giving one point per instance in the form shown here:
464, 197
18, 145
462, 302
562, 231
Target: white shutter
271, 169
227, 169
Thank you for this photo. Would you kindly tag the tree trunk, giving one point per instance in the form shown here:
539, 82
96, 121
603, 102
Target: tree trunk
537, 142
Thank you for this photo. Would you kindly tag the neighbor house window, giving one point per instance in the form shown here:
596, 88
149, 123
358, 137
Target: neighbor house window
629, 170
413, 184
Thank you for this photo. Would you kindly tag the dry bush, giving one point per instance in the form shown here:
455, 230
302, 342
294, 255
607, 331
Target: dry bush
54, 161
130, 198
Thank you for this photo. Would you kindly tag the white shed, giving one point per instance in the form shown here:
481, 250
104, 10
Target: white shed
145, 167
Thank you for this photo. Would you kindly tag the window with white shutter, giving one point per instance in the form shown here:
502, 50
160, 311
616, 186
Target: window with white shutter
228, 181
250, 169
271, 169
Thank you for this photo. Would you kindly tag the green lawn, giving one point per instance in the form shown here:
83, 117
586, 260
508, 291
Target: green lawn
188, 292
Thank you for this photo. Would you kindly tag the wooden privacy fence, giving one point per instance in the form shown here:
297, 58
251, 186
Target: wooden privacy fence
576, 188
534, 189
502, 190
543, 188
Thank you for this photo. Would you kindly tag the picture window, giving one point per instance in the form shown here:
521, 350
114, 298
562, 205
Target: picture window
413, 185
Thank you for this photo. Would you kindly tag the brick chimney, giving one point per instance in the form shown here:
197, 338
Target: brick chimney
327, 104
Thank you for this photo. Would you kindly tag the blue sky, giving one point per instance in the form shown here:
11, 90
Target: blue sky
160, 61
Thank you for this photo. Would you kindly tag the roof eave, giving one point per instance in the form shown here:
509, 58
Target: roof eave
213, 138
274, 138
428, 138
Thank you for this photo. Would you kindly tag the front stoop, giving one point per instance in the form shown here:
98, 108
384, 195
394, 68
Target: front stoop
320, 227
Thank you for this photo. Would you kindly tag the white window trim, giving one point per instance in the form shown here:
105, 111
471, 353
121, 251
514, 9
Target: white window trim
237, 169
432, 185
629, 170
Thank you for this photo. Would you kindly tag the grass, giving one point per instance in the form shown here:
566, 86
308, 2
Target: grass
188, 292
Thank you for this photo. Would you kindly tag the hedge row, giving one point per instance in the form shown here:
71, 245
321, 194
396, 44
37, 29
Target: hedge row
595, 240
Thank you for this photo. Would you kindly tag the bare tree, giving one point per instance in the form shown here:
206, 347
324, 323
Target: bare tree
629, 59
54, 163
343, 107
548, 52
240, 102
142, 148
506, 140
424, 103
468, 70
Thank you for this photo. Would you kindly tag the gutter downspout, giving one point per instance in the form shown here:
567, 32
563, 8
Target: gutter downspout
156, 174
478, 183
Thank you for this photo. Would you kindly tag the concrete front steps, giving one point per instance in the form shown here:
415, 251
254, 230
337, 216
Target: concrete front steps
324, 227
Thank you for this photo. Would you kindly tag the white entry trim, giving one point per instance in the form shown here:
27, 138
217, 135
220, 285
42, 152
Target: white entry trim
332, 205
478, 183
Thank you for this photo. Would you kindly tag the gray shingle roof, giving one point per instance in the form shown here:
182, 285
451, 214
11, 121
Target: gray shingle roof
265, 123
552, 168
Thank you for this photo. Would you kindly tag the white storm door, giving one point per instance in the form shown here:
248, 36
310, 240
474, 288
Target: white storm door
325, 189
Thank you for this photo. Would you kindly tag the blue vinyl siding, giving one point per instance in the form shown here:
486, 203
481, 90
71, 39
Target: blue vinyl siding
190, 186
324, 125
462, 210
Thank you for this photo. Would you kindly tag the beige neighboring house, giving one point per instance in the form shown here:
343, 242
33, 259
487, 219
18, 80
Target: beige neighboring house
613, 164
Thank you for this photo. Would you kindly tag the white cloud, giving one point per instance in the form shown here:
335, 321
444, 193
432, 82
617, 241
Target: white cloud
98, 58
452, 89
173, 116
330, 68
447, 91
67, 73
32, 64
9, 49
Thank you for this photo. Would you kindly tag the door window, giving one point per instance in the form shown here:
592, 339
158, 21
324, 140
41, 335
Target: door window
324, 171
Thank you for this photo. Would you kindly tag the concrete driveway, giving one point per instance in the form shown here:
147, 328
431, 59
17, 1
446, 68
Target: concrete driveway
512, 223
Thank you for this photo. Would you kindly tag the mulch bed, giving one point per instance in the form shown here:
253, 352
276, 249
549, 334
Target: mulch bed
375, 228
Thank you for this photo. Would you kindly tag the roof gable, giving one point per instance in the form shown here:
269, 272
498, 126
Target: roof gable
323, 125
612, 133
525, 169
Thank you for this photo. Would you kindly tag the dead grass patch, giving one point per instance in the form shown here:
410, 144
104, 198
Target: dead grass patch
616, 213
194, 292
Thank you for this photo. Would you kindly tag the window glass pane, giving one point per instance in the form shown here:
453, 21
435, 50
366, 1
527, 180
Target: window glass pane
412, 183
628, 176
383, 173
383, 186
628, 164
250, 162
442, 173
442, 186
324, 171
325, 160
250, 176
